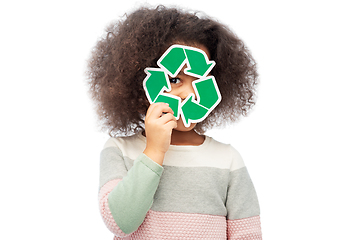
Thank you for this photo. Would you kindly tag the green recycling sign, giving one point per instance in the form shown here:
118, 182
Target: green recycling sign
193, 109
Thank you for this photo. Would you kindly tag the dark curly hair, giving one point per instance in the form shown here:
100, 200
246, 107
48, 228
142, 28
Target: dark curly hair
116, 67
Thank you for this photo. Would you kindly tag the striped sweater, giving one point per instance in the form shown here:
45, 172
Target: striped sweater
200, 192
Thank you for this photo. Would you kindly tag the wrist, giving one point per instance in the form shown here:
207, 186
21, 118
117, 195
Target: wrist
155, 155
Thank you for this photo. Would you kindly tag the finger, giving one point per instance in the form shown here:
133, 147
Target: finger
152, 107
158, 110
171, 124
166, 118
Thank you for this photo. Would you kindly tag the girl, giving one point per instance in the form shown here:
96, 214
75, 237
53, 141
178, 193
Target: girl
158, 178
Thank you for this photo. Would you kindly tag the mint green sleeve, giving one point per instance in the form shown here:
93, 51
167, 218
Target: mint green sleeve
132, 197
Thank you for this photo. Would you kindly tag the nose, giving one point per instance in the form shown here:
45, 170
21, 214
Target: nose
186, 90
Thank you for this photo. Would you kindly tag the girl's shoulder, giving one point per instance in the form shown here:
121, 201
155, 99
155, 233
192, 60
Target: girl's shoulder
226, 152
130, 146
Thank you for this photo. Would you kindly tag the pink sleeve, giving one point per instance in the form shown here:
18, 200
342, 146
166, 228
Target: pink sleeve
104, 208
244, 229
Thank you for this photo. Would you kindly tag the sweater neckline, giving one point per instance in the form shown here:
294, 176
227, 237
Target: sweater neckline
182, 147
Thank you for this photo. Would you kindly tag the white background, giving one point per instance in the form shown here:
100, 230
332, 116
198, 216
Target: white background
300, 143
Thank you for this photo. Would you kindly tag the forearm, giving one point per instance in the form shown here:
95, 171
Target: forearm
132, 197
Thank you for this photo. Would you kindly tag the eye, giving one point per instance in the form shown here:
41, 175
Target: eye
174, 80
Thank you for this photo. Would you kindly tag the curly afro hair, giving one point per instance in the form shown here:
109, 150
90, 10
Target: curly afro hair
116, 67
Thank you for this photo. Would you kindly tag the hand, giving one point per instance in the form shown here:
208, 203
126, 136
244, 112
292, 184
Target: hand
159, 123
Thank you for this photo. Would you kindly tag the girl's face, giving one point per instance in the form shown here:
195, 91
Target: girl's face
181, 86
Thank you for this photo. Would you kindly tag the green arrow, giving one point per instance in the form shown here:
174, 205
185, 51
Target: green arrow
199, 65
173, 59
155, 83
172, 101
192, 111
207, 91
